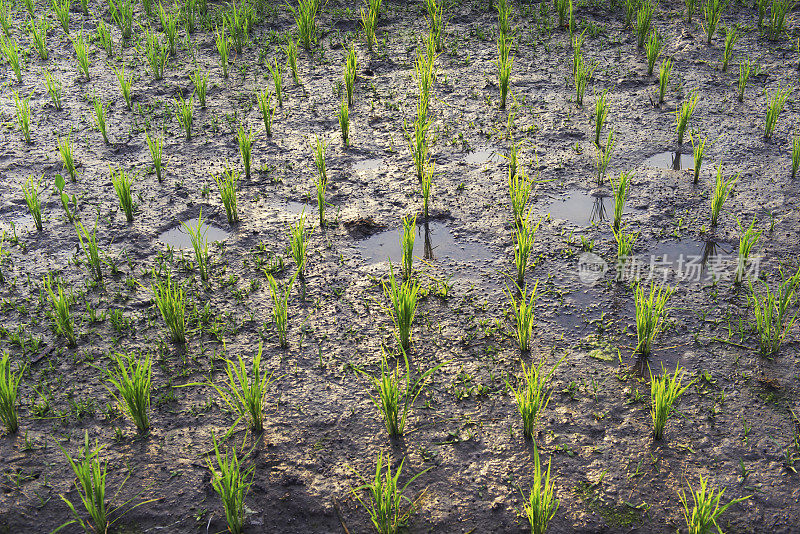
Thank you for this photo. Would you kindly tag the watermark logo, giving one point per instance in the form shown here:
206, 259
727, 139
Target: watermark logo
591, 268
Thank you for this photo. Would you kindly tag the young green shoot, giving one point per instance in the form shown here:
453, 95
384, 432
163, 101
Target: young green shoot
653, 49
222, 42
53, 85
298, 245
100, 117
664, 391
184, 112
683, 114
22, 106
39, 35
407, 237
245, 141
291, 59
731, 37
701, 516
746, 69
699, 149
90, 483
344, 121
772, 314
651, 312
267, 110
404, 299
30, 190
663, 79
232, 483
601, 109
66, 152
197, 235
200, 81
280, 307
10, 50
60, 302
644, 18
227, 185
775, 106
533, 396
132, 382
522, 311
82, 52
540, 506
747, 240
122, 181
156, 147
124, 85
170, 298
61, 8
88, 243
604, 156
9, 393
621, 190
276, 70
719, 194
305, 16
712, 12
795, 156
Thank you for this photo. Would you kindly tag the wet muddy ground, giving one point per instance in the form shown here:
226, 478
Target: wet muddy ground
733, 425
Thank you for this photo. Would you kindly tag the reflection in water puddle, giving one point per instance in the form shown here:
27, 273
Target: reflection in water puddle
368, 165
434, 240
670, 160
582, 208
682, 262
483, 155
178, 237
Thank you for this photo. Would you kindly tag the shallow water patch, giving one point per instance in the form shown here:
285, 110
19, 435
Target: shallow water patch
483, 155
368, 165
675, 161
583, 208
178, 237
433, 240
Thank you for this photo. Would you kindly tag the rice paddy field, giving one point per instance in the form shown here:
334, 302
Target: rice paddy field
399, 266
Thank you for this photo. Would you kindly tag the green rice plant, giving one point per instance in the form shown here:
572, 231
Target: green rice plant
424, 74
305, 16
350, 71
81, 47
189, 15
795, 156
621, 190
779, 9
124, 85
122, 15
540, 506
10, 50
30, 190
344, 121
156, 53
267, 110
65, 150
88, 243
53, 85
712, 12
731, 37
39, 35
169, 25
601, 109
122, 181
691, 7
155, 145
231, 482
170, 298
3, 254
223, 44
583, 75
61, 8
644, 18
227, 185
653, 48
407, 236
5, 17
369, 20
631, 9
245, 393
775, 105
197, 235
63, 324
280, 307
418, 143
625, 243
184, 112
664, 391
388, 506
533, 396
404, 300
604, 155
298, 245
239, 19
699, 149
425, 186
245, 141
762, 11
65, 200
746, 68
747, 240
322, 178
23, 114
651, 311
104, 37
706, 510
719, 194
683, 114
100, 117
524, 237
132, 380
90, 483
199, 79
773, 319
663, 79
9, 393
519, 189
276, 71
436, 23
522, 311
504, 63
562, 8
291, 59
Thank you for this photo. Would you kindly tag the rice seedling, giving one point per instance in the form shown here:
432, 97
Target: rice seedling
540, 506
651, 311
747, 240
155, 146
124, 85
583, 75
90, 483
184, 112
424, 74
61, 8
407, 236
169, 25
712, 12
344, 121
563, 10
81, 47
691, 7
231, 482
10, 50
404, 300
65, 200
664, 391
625, 243
199, 79
631, 8
9, 393
189, 15
222, 42
601, 109
746, 69
3, 254
100, 117
88, 243
245, 141
621, 190
53, 85
604, 155
683, 114
276, 71
267, 110
291, 59
122, 181
280, 307
795, 155
504, 63
775, 105
369, 20
227, 185
418, 145
322, 178
5, 17
122, 15
30, 190
519, 189
425, 186
305, 16
245, 393
644, 18
197, 235
762, 11
719, 194
388, 506
104, 37
522, 311
699, 149
66, 152
298, 245
653, 48
706, 509
779, 9
436, 22
533, 396
350, 71
132, 380
773, 319
39, 35
170, 298
239, 20
156, 53
22, 107
63, 324
731, 37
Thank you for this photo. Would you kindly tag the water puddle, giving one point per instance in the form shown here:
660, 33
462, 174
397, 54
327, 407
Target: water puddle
582, 208
683, 262
178, 237
433, 240
368, 165
675, 161
483, 155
